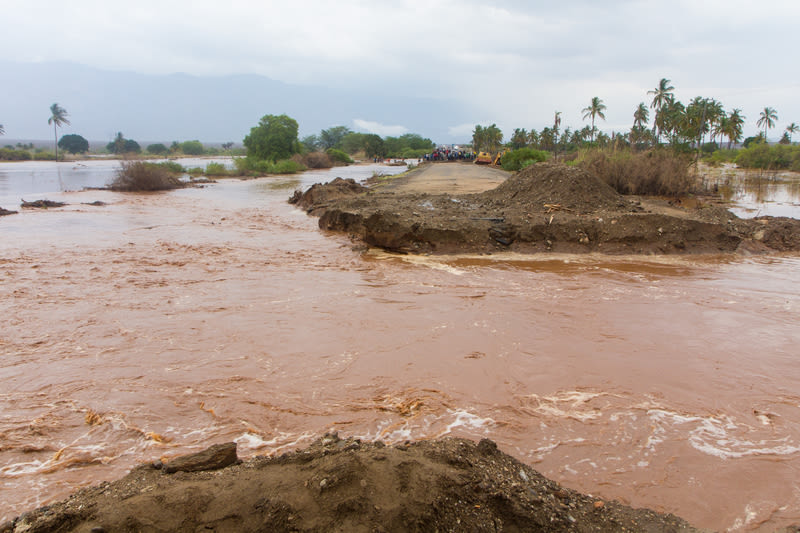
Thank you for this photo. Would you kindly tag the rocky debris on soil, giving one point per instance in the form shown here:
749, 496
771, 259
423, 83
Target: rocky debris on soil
213, 458
548, 207
347, 485
96, 203
41, 204
4, 212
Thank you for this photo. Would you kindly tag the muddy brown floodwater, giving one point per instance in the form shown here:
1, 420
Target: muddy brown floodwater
160, 324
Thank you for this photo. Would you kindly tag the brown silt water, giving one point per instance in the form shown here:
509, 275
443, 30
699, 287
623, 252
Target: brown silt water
159, 324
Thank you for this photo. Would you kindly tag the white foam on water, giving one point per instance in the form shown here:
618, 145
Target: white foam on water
465, 419
719, 436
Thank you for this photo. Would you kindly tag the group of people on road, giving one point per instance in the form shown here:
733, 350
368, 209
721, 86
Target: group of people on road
446, 154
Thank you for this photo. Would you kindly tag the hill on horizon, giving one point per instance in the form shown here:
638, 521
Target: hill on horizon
164, 108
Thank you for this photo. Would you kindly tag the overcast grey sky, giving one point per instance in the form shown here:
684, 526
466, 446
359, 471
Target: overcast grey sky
513, 62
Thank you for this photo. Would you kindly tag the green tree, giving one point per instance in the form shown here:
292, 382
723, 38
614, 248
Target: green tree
274, 138
595, 109
733, 128
641, 116
192, 148
120, 145
373, 145
227, 145
785, 139
353, 142
519, 139
58, 117
487, 139
332, 137
310, 143
767, 118
661, 95
791, 129
74, 144
2, 130
157, 149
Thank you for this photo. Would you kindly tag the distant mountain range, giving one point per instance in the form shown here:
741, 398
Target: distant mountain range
165, 108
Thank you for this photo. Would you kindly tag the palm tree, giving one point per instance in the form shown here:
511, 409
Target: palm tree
768, 118
58, 117
790, 129
661, 95
594, 110
735, 127
640, 116
2, 130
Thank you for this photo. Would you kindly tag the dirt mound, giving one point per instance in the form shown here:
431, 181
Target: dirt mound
320, 195
347, 485
545, 208
4, 212
542, 186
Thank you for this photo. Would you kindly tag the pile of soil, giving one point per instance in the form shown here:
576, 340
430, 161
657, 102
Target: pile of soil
570, 188
4, 212
345, 485
548, 207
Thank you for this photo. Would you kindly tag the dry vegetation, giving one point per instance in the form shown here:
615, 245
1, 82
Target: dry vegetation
655, 172
138, 176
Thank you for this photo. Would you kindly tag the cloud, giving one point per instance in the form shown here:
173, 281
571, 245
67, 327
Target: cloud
380, 129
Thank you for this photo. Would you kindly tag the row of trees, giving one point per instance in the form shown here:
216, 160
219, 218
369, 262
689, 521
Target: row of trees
343, 138
680, 125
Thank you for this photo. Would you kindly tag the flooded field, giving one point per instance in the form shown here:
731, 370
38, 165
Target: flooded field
159, 324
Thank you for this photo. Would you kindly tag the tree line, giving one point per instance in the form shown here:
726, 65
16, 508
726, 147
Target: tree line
681, 126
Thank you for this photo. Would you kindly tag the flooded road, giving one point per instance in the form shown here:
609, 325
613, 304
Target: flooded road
162, 323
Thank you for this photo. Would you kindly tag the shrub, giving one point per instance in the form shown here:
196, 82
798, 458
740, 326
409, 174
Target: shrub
250, 165
662, 172
519, 159
313, 160
192, 147
157, 149
9, 154
769, 157
135, 176
172, 166
339, 156
194, 171
722, 156
216, 169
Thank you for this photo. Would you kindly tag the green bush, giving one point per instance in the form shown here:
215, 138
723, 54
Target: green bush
339, 156
216, 169
138, 176
722, 156
519, 159
171, 166
9, 154
250, 165
769, 157
157, 149
195, 171
192, 148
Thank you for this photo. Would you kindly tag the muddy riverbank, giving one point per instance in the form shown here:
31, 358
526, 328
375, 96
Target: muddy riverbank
342, 485
545, 208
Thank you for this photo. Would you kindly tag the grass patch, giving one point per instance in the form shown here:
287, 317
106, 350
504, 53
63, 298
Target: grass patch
139, 176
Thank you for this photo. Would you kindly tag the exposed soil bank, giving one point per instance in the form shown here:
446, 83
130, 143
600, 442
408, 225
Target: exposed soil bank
545, 208
344, 485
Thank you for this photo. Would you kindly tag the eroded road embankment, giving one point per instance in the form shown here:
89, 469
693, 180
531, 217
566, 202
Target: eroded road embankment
547, 207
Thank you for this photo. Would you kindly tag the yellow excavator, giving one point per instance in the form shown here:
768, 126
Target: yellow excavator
487, 158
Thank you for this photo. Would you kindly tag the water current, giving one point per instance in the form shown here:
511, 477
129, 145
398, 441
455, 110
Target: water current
159, 324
